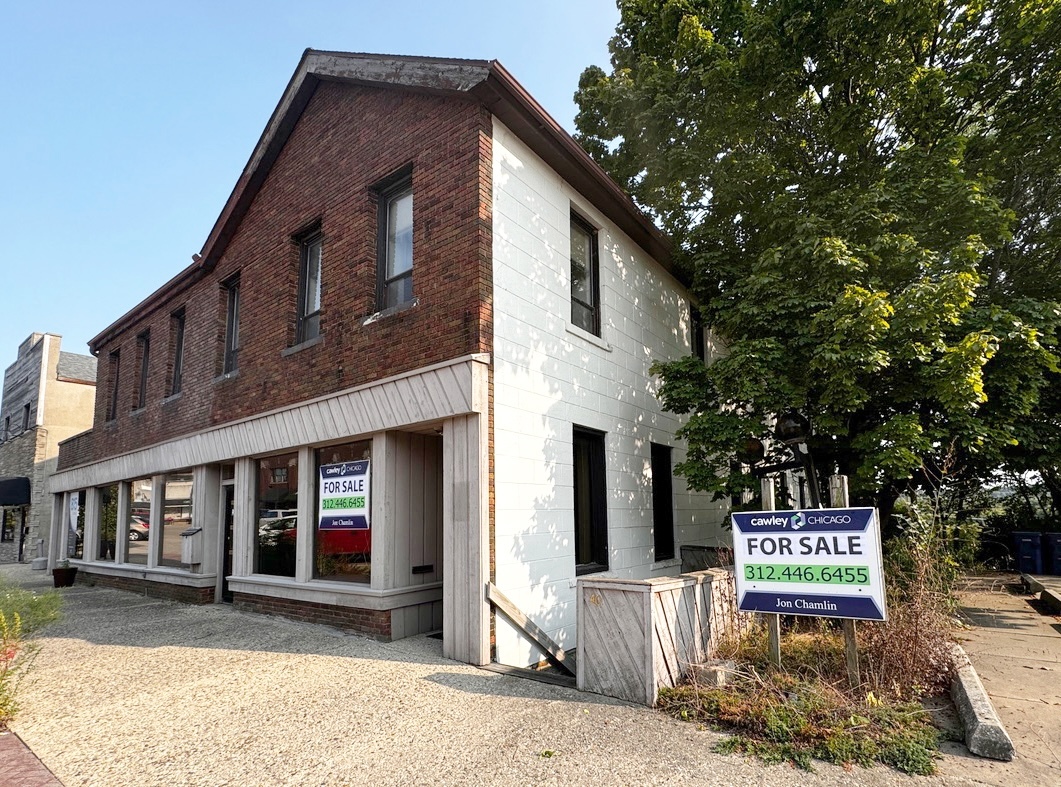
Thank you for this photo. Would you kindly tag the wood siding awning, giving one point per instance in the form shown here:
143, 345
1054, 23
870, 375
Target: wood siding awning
14, 491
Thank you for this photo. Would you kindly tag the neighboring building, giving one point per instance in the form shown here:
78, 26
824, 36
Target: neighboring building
412, 358
48, 396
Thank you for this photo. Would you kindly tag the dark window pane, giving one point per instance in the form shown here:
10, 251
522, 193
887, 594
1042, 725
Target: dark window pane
662, 502
583, 317
591, 512
398, 291
108, 523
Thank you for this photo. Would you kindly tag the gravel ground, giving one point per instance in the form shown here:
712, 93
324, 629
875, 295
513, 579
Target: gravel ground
129, 690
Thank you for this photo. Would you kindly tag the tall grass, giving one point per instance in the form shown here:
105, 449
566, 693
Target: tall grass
22, 612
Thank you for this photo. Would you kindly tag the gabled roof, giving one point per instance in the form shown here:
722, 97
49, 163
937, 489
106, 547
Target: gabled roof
484, 80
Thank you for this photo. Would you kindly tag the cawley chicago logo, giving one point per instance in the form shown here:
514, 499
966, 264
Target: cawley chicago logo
796, 521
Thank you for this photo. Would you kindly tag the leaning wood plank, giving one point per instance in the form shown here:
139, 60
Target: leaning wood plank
553, 652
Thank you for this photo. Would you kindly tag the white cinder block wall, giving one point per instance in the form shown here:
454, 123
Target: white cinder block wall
549, 375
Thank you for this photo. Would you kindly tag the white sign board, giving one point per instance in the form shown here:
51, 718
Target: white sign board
818, 562
344, 496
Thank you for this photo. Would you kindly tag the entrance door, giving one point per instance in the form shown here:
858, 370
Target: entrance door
227, 511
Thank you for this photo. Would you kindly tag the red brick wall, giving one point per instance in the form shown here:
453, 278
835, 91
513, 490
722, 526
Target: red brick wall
183, 593
374, 622
348, 139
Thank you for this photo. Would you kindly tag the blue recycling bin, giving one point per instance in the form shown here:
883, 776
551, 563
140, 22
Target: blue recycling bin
1052, 554
1028, 549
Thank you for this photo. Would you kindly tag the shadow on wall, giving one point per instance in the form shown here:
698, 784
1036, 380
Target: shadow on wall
548, 378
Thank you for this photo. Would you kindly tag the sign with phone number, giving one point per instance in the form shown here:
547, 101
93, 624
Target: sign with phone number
817, 562
344, 496
825, 575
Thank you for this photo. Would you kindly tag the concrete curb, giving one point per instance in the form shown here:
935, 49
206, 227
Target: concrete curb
984, 734
1030, 582
1051, 599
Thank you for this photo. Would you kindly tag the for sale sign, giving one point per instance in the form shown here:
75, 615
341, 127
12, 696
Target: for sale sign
344, 496
818, 562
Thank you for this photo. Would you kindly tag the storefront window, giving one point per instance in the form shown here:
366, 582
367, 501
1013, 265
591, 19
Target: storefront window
277, 515
342, 542
108, 522
176, 516
76, 533
139, 520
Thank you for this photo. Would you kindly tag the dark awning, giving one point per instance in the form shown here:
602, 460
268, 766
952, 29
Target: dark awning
14, 491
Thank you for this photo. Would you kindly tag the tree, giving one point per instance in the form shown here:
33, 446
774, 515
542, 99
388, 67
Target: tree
865, 193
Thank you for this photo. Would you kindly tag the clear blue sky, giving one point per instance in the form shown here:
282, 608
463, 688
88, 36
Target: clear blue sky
126, 124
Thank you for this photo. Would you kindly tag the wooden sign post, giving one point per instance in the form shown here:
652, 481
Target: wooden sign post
773, 622
839, 498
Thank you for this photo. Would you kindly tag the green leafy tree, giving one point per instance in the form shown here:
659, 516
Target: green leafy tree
865, 194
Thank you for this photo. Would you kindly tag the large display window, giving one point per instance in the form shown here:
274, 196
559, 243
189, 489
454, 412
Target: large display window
108, 523
277, 515
342, 537
140, 492
176, 516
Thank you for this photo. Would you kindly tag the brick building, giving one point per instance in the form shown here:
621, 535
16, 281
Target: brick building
411, 358
48, 396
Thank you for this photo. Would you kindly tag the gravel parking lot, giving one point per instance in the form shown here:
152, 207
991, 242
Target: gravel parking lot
129, 690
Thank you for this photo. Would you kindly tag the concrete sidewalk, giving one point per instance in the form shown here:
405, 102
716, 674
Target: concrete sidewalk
1015, 646
130, 690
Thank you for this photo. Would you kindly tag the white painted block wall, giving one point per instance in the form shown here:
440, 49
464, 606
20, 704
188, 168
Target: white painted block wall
549, 375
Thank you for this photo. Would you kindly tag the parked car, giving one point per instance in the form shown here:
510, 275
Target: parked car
138, 527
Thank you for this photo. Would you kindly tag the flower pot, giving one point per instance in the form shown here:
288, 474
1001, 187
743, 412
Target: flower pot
64, 577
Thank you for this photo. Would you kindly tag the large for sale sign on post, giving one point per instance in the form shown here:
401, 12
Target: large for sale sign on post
819, 562
344, 503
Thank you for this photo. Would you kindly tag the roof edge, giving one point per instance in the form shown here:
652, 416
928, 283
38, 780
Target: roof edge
484, 80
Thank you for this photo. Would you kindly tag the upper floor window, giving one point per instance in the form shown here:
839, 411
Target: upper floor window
176, 330
143, 348
309, 288
396, 243
25, 417
585, 289
114, 367
231, 362
699, 346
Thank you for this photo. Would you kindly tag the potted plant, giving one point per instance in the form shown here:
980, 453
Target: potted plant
64, 574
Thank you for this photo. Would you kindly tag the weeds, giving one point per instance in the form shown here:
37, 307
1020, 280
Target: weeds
807, 710
16, 656
21, 613
779, 716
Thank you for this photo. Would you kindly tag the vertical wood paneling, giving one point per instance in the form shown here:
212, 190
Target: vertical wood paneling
465, 541
307, 513
402, 489
417, 473
636, 636
434, 394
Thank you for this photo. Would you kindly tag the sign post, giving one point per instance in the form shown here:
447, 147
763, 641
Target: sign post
773, 622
